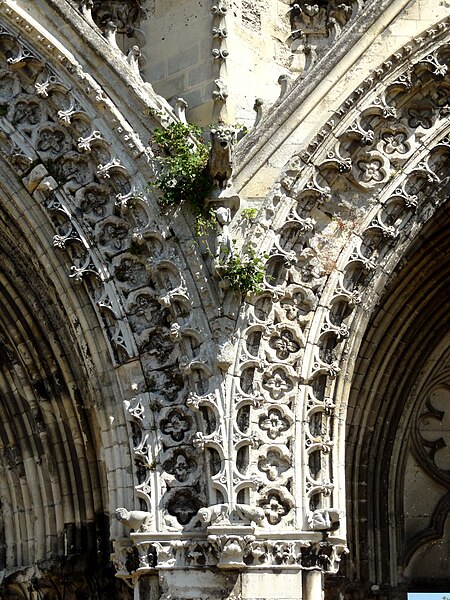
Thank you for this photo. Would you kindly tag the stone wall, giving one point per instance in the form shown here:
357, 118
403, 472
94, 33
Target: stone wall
315, 97
190, 45
178, 50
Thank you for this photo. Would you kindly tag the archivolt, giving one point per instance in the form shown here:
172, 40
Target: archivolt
54, 492
117, 314
340, 220
403, 356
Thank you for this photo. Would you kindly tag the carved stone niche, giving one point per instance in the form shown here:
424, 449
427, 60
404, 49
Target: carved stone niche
126, 15
315, 24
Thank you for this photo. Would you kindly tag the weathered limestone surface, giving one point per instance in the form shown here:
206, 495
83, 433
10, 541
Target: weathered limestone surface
317, 95
290, 444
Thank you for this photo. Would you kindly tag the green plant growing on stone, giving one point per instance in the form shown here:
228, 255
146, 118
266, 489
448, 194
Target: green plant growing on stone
244, 273
183, 159
205, 222
249, 214
184, 177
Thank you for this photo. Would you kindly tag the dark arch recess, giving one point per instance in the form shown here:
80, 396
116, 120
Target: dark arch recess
54, 496
410, 322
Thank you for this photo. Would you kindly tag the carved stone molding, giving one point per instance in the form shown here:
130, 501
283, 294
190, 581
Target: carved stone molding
56, 142
228, 547
220, 53
316, 25
233, 419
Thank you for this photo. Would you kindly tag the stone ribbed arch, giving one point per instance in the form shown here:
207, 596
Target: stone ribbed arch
342, 216
336, 226
55, 488
118, 325
402, 365
52, 479
227, 428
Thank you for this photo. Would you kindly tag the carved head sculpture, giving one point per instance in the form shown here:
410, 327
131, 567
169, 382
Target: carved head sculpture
122, 514
221, 154
223, 215
204, 515
222, 137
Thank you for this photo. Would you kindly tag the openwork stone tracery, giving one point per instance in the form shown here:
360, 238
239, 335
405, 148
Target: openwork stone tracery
234, 424
342, 213
324, 269
54, 140
316, 25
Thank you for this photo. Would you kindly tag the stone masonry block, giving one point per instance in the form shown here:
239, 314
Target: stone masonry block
181, 62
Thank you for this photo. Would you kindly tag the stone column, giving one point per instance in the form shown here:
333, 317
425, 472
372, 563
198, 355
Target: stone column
313, 585
213, 584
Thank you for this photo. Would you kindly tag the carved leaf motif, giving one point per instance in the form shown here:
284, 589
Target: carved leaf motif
181, 465
50, 141
284, 344
176, 425
27, 113
395, 142
95, 201
371, 170
273, 465
420, 116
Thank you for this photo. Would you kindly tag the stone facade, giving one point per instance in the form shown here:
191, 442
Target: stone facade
164, 435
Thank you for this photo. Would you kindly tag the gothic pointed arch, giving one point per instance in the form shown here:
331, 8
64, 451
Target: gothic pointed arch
133, 378
396, 448
346, 213
106, 319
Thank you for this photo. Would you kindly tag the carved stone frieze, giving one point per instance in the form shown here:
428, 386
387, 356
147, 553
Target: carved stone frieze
316, 25
237, 548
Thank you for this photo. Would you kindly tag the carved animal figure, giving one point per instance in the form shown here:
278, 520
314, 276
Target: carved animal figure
324, 519
138, 520
220, 514
133, 56
209, 515
224, 243
253, 514
221, 155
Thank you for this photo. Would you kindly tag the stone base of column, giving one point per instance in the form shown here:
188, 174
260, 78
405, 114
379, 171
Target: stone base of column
214, 584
